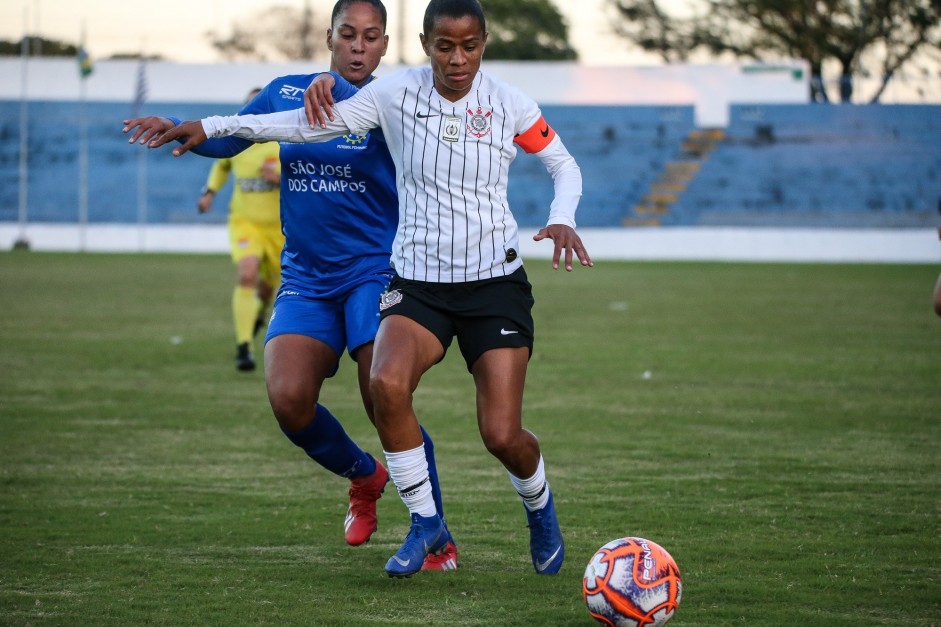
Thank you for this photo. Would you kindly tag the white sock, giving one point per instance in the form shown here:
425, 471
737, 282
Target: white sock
535, 490
409, 472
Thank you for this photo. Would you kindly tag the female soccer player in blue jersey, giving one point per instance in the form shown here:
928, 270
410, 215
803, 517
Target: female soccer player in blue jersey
453, 132
339, 215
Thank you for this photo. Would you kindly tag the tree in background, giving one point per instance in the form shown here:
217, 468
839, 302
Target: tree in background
526, 30
42, 47
520, 30
278, 33
38, 47
856, 37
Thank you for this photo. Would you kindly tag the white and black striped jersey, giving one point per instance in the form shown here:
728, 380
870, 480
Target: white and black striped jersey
452, 160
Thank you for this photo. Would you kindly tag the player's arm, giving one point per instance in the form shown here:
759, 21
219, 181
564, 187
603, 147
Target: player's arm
357, 114
285, 126
220, 148
150, 129
218, 175
271, 171
204, 202
320, 96
147, 128
541, 140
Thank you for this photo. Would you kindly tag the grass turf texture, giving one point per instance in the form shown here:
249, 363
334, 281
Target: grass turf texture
784, 449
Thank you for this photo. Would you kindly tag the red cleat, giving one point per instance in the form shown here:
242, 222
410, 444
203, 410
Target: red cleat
360, 520
445, 559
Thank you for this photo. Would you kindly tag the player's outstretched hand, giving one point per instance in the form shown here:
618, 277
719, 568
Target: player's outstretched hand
148, 128
565, 238
192, 133
318, 100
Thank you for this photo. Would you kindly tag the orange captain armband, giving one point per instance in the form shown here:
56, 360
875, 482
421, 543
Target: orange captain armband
537, 137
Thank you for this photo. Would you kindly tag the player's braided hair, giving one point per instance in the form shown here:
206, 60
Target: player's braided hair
453, 9
341, 5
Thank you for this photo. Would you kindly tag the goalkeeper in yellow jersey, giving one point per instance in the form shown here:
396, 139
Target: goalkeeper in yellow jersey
255, 235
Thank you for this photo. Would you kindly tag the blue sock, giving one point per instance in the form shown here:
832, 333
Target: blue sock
325, 442
432, 471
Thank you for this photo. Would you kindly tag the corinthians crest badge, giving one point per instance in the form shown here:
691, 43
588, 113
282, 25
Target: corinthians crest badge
478, 123
389, 299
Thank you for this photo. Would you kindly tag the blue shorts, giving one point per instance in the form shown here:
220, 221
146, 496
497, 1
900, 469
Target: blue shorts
348, 321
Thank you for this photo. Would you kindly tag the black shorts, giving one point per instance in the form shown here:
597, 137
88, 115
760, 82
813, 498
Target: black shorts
485, 314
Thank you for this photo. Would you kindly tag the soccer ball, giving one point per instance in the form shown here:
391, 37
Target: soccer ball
632, 582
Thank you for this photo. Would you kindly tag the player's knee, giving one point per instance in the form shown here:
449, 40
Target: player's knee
247, 270
388, 389
501, 443
248, 279
290, 418
293, 406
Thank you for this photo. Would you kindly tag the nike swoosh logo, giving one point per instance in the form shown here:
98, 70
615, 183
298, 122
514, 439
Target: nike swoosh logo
545, 132
505, 332
428, 546
404, 563
426, 115
541, 567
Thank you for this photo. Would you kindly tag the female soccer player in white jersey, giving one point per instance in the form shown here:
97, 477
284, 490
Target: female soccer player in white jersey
338, 214
452, 132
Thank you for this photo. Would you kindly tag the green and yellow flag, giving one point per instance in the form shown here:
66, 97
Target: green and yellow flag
84, 60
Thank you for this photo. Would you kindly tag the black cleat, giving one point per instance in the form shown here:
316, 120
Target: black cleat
244, 360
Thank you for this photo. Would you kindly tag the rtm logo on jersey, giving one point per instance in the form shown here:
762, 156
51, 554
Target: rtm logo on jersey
290, 92
478, 124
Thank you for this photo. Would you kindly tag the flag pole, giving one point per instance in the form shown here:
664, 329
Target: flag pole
82, 168
21, 241
142, 198
83, 146
140, 95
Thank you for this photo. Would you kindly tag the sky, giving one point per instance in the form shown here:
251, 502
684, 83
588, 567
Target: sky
176, 29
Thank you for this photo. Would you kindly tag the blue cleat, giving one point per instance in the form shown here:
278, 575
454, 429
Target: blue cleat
427, 535
545, 539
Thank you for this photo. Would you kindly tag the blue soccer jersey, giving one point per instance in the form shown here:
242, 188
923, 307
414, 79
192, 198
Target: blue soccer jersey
339, 206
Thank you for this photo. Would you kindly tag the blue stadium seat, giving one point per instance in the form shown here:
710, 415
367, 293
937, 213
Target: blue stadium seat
777, 165
821, 165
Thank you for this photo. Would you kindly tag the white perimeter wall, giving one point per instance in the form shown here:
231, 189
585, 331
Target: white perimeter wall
642, 244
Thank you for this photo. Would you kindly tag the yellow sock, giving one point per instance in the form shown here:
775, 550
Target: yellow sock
245, 311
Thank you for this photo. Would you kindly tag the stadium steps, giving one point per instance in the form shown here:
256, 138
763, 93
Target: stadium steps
620, 151
673, 180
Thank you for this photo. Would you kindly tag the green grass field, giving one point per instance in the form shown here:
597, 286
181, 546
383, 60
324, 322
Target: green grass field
785, 448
